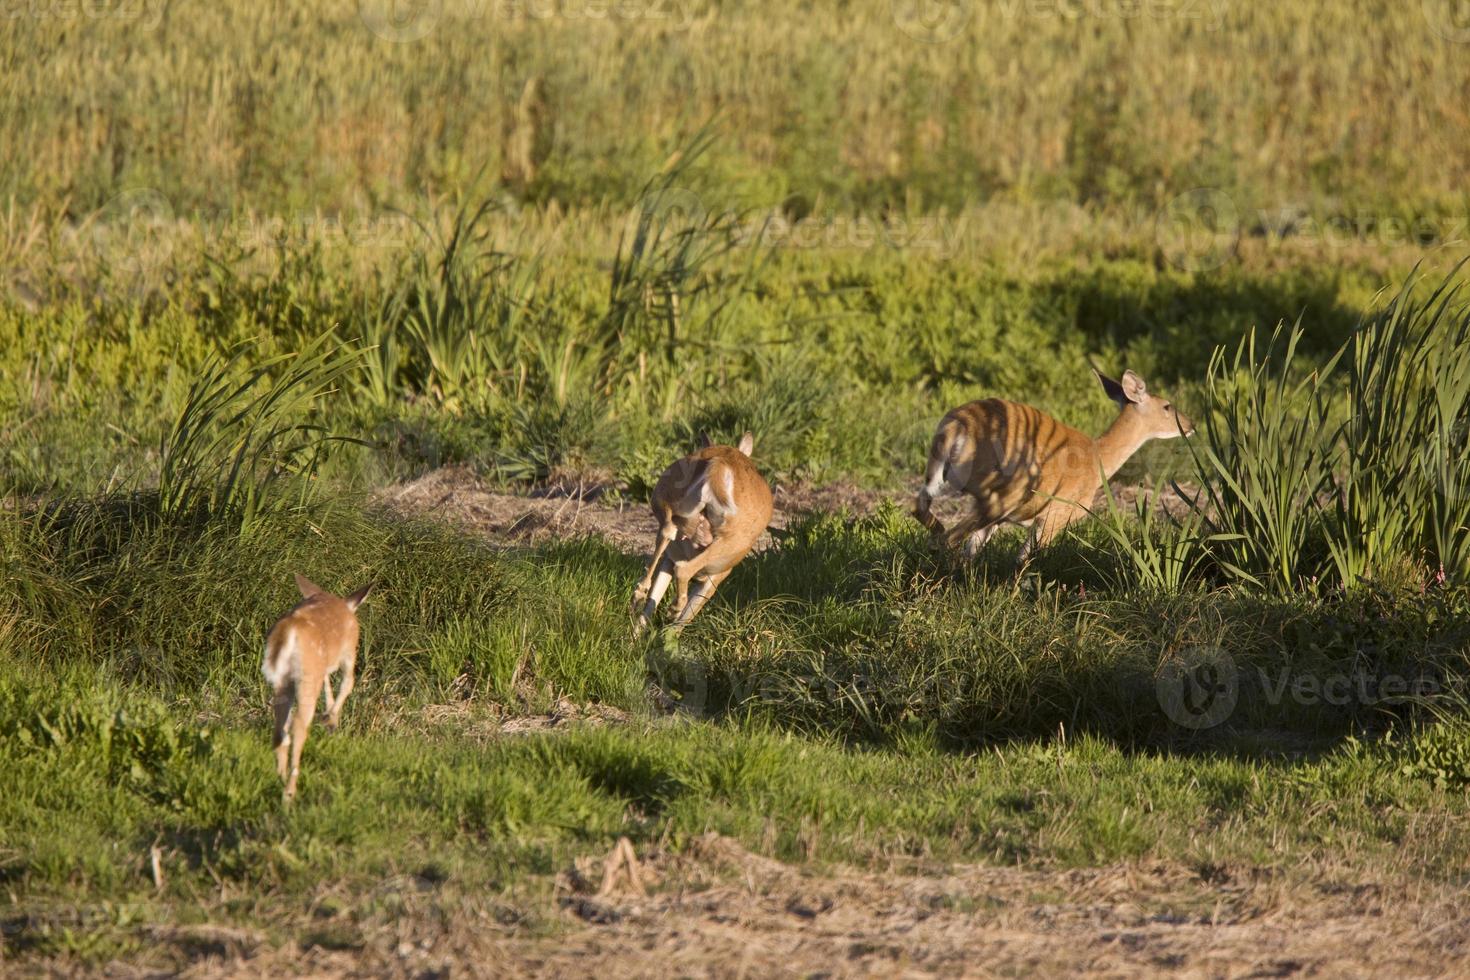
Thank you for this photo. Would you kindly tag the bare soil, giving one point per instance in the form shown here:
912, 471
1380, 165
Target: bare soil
567, 509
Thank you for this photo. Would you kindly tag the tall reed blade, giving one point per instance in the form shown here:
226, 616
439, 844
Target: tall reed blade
242, 434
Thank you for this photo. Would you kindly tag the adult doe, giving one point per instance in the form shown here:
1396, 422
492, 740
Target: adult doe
306, 646
711, 507
1021, 466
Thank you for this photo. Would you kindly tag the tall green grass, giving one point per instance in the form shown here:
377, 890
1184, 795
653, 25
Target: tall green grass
1266, 457
243, 434
1334, 474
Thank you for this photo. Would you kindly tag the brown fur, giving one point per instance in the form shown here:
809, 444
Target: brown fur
711, 507
1021, 466
307, 645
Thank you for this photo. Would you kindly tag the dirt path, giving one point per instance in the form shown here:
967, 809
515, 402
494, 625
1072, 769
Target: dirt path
455, 494
716, 910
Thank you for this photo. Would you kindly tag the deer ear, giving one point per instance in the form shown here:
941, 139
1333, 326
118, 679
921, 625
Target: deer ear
1133, 387
1112, 388
704, 440
355, 600
747, 443
308, 587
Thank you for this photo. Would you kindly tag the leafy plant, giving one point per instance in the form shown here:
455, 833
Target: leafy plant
1160, 555
1406, 442
453, 327
243, 434
666, 298
1265, 458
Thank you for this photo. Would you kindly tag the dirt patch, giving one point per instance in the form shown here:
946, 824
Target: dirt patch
457, 495
717, 910
564, 716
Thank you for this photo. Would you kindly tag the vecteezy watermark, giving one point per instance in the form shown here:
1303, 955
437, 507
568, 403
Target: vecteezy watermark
676, 210
680, 682
140, 228
131, 229
937, 21
932, 21
930, 232
413, 20
1204, 228
1385, 230
149, 13
1359, 687
1199, 230
1450, 19
401, 20
258, 233
1209, 11
1198, 687
674, 207
668, 13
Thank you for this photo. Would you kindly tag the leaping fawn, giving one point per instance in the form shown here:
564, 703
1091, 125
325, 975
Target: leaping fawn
711, 507
304, 648
1021, 466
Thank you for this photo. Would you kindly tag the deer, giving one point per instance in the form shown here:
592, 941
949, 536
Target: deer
1021, 466
303, 649
711, 507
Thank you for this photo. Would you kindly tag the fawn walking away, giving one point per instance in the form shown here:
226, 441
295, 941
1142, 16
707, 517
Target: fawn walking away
1021, 466
711, 507
303, 649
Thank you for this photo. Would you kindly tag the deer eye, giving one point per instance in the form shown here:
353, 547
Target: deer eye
1168, 407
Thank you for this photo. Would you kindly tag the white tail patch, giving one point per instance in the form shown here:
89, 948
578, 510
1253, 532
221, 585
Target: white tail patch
727, 507
286, 665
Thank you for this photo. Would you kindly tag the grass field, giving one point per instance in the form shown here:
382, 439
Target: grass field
273, 265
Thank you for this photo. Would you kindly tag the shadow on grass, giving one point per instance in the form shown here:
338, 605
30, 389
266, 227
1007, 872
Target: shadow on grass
1173, 323
853, 630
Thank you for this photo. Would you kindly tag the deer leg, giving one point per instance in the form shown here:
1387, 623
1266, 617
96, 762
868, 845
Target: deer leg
661, 582
714, 562
300, 728
933, 486
925, 515
666, 533
1047, 527
282, 702
976, 541
683, 572
344, 688
1044, 530
703, 589
968, 525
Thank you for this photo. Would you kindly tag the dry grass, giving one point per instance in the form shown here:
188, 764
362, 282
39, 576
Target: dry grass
240, 107
714, 909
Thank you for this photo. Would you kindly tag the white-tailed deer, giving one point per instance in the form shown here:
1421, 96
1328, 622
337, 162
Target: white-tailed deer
1021, 466
303, 649
711, 507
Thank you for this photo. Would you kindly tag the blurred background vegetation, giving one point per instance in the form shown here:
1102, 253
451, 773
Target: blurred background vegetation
273, 108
